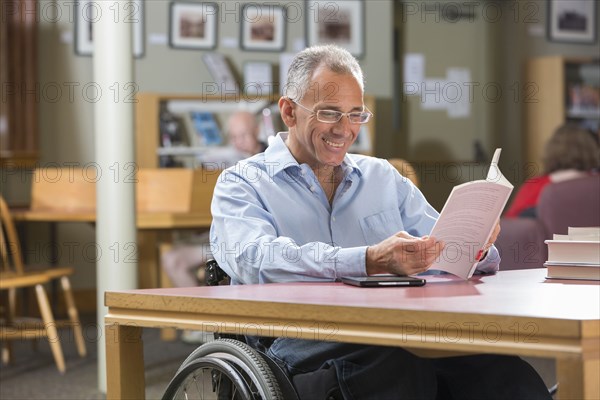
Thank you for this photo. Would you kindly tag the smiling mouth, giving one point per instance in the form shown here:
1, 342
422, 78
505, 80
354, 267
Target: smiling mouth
332, 144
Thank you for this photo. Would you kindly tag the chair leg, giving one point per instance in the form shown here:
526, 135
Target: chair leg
73, 316
12, 303
7, 351
50, 326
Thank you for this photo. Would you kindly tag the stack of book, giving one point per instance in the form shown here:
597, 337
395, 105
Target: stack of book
575, 255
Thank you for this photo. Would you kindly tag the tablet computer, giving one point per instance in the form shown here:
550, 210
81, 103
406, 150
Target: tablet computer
383, 281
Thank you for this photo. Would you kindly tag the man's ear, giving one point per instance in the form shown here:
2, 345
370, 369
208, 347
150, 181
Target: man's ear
288, 113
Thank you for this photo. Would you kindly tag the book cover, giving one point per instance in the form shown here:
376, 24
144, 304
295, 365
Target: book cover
573, 251
468, 220
573, 271
206, 128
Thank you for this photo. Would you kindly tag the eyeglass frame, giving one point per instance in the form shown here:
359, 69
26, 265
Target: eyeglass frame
342, 114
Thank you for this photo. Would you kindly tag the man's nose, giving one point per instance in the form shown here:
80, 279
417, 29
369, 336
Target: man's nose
343, 126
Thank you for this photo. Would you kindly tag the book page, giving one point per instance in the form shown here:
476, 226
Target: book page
468, 220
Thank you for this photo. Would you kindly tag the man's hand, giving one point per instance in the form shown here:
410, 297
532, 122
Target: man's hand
402, 254
490, 242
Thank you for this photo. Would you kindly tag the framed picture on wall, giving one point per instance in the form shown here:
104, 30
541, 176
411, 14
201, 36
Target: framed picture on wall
336, 22
263, 27
572, 21
193, 25
88, 11
258, 78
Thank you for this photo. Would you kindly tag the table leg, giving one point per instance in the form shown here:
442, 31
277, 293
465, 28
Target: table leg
166, 334
124, 362
578, 378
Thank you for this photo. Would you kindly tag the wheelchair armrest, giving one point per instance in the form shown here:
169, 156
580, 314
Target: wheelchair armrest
214, 274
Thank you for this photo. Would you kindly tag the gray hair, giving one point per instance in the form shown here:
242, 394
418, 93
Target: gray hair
304, 64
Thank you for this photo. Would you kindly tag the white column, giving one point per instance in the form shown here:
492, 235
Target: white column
116, 268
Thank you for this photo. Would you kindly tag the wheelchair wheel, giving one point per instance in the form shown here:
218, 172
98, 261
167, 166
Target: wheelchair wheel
224, 369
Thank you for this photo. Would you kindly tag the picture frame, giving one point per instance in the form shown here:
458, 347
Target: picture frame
572, 21
87, 12
340, 22
258, 78
263, 27
193, 25
221, 72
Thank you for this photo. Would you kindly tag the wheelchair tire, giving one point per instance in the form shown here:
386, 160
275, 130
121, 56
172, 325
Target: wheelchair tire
249, 370
191, 382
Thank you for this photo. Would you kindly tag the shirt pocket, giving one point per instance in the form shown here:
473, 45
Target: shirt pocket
380, 226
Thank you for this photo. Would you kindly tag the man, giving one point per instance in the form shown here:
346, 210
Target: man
305, 210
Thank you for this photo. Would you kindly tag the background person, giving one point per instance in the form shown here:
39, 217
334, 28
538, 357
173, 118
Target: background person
243, 141
572, 152
305, 210
242, 134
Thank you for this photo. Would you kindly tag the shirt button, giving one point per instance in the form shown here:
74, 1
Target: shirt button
312, 188
333, 219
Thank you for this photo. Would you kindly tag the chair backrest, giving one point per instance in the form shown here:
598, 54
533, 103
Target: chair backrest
177, 190
571, 203
405, 169
10, 247
171, 190
164, 190
64, 189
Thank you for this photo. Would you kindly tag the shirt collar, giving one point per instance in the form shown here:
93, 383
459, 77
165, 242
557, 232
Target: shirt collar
278, 158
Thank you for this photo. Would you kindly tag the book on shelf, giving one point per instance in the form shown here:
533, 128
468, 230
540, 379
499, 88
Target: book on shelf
202, 129
558, 270
468, 219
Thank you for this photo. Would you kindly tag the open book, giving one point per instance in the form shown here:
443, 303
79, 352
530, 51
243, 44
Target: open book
468, 220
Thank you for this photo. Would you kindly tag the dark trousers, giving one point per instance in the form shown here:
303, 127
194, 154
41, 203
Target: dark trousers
375, 372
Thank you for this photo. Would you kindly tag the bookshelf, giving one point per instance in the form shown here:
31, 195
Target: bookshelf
148, 125
558, 89
148, 107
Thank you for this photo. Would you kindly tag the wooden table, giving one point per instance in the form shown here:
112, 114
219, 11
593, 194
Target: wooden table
153, 228
145, 220
513, 312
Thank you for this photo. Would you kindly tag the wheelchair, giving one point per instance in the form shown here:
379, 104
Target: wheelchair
228, 368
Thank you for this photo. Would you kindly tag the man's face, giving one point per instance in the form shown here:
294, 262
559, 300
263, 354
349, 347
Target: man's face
322, 144
242, 134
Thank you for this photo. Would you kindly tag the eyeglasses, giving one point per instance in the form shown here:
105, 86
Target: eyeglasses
332, 116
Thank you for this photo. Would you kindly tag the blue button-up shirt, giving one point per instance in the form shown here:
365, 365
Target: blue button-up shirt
272, 221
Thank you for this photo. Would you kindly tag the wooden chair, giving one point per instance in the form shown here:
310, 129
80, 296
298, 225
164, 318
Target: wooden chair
405, 169
13, 276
